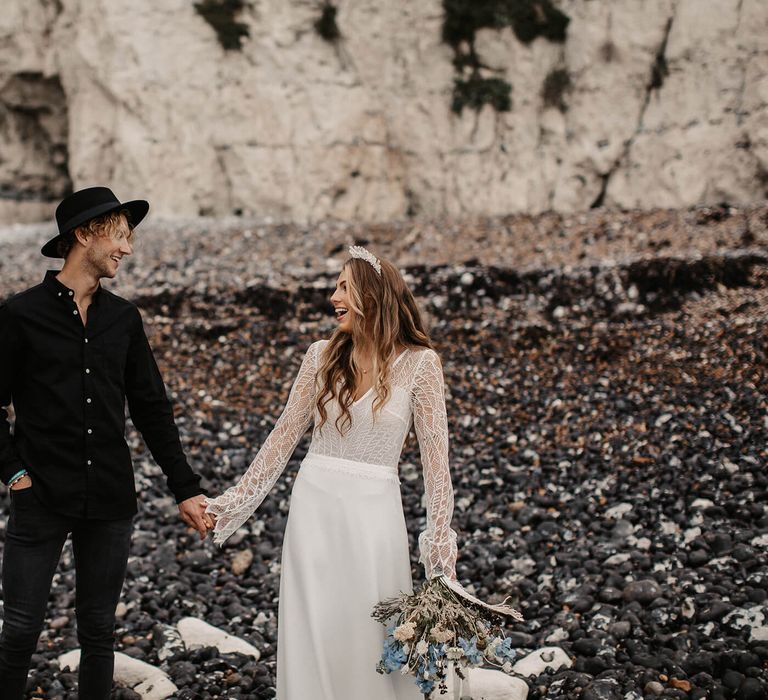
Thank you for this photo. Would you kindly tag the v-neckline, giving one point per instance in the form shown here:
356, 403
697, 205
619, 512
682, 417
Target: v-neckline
370, 389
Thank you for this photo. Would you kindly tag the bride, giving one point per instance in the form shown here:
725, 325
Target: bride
346, 545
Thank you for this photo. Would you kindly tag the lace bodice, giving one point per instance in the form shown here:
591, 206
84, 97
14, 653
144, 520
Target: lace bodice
416, 393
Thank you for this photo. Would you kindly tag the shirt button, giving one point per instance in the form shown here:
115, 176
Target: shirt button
71, 293
87, 371
90, 431
86, 340
89, 462
75, 312
88, 400
59, 293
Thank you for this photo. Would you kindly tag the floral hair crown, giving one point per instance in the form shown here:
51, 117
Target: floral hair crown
357, 251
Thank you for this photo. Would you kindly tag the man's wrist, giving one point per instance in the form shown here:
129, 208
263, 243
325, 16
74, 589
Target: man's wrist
182, 495
18, 476
20, 479
24, 483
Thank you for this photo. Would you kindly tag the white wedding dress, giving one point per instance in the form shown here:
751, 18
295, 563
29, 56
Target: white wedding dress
346, 546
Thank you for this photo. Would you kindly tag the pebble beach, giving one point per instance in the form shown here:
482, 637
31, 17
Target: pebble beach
607, 385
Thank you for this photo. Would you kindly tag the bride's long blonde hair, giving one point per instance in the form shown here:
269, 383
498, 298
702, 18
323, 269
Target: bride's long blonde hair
385, 318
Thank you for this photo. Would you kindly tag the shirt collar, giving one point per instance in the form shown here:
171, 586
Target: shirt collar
61, 290
50, 282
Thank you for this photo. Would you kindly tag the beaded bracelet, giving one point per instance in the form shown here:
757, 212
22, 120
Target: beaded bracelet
17, 477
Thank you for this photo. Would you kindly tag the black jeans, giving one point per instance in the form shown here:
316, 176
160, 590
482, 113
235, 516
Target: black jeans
33, 543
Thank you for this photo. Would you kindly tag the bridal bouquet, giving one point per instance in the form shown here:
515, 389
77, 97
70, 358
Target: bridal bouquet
440, 625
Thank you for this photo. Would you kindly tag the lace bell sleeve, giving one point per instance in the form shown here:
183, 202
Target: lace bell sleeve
437, 544
233, 507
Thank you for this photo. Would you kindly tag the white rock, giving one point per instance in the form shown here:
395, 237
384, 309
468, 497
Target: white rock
662, 419
617, 559
599, 622
242, 561
156, 689
722, 563
628, 308
537, 661
702, 503
668, 527
753, 617
487, 684
618, 511
172, 643
691, 534
557, 635
148, 681
196, 633
524, 565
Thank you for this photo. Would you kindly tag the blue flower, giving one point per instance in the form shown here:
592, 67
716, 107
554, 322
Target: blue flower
393, 656
474, 656
425, 686
436, 651
430, 668
505, 651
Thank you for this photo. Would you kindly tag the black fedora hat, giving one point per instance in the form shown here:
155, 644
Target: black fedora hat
82, 206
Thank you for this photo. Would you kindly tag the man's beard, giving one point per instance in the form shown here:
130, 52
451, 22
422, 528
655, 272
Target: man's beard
100, 265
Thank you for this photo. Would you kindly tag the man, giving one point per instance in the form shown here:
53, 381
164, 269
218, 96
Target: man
71, 353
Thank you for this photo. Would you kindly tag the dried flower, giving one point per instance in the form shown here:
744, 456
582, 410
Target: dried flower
492, 646
441, 635
454, 653
405, 632
442, 623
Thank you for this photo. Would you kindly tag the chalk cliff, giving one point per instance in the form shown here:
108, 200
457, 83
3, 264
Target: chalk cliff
641, 103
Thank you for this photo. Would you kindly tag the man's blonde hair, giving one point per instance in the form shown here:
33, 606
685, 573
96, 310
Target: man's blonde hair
106, 225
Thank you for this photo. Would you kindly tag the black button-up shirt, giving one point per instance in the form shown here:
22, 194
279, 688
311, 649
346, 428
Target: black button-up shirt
68, 383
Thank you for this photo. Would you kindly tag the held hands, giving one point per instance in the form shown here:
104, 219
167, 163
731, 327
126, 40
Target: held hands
192, 512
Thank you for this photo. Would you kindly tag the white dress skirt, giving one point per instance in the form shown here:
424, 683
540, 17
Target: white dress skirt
346, 546
345, 549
